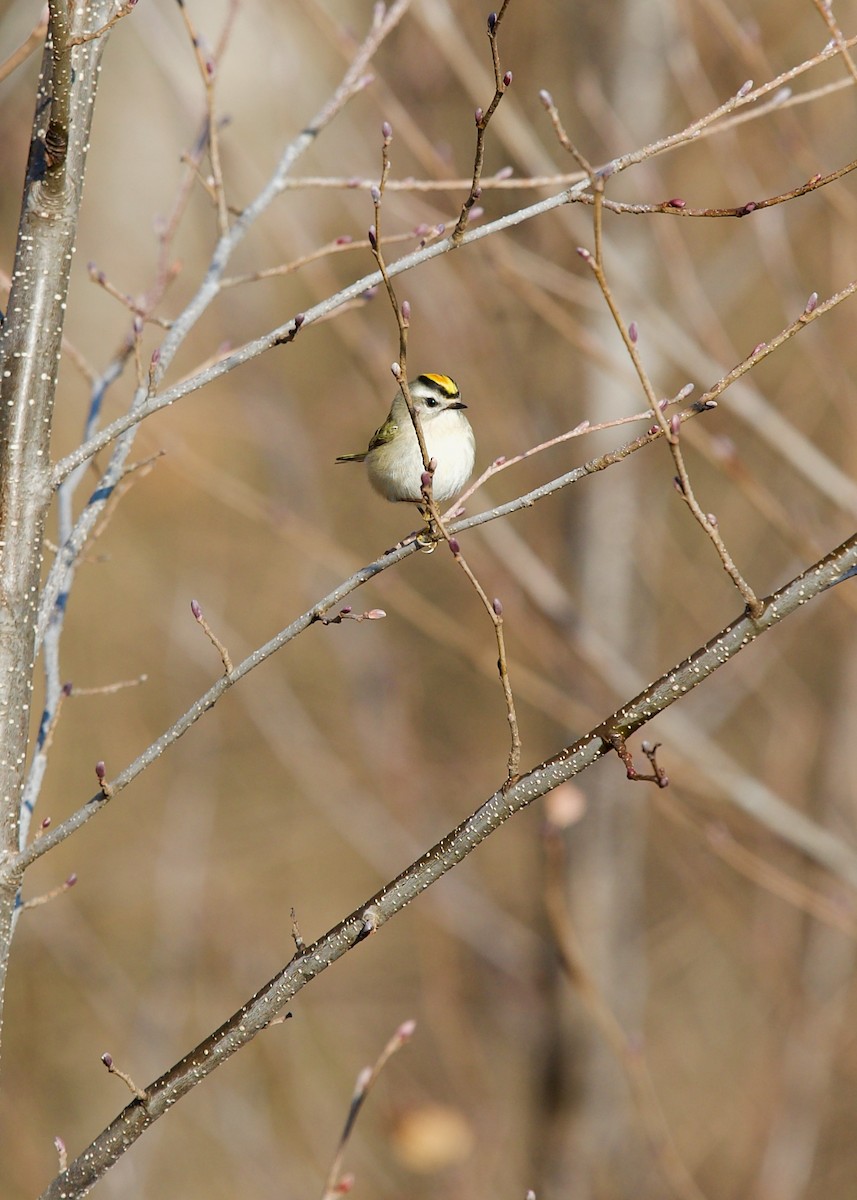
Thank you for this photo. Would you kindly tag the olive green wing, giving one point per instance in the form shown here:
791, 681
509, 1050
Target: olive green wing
384, 435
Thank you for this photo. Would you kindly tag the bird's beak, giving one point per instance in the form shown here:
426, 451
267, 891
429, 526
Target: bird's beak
458, 404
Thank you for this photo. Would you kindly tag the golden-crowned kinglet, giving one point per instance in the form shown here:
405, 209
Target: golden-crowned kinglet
393, 457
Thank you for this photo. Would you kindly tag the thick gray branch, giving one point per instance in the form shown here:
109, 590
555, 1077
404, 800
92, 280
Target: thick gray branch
29, 359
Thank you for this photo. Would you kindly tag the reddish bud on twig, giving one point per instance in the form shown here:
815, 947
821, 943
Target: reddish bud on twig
396, 369
478, 115
745, 88
72, 880
100, 770
375, 614
507, 79
758, 348
387, 131
675, 425
747, 209
633, 332
344, 240
492, 22
678, 485
406, 311
504, 173
546, 98
107, 1059
46, 822
497, 605
66, 688
425, 479
373, 242
345, 611
811, 303
676, 202
196, 609
375, 193
584, 253
454, 546
156, 356
711, 519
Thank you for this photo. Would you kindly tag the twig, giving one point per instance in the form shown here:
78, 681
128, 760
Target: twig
124, 11
825, 8
108, 689
207, 64
503, 462
494, 608
671, 429
140, 1094
46, 897
402, 312
212, 637
501, 83
28, 47
365, 1082
657, 775
676, 207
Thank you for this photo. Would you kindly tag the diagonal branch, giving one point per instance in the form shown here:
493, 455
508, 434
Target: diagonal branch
309, 962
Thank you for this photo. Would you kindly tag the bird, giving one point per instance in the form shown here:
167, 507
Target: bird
393, 459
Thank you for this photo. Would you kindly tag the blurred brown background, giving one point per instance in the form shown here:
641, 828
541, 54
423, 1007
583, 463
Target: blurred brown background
343, 758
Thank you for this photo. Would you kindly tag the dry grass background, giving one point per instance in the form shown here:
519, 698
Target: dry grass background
340, 760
